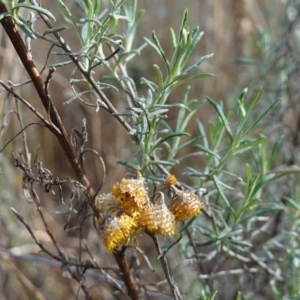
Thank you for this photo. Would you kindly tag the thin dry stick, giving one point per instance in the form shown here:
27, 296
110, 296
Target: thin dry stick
18, 97
34, 237
127, 275
81, 285
17, 134
63, 139
109, 278
30, 67
29, 288
145, 257
199, 263
73, 266
162, 258
85, 73
255, 258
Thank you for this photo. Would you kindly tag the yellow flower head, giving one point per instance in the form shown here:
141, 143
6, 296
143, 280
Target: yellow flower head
118, 229
156, 218
130, 194
185, 205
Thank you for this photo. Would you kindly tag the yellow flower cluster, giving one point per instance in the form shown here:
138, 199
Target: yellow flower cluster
128, 208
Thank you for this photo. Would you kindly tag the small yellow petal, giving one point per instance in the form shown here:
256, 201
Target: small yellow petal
118, 230
130, 194
171, 180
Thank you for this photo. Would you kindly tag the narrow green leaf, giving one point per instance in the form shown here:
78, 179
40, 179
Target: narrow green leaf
36, 8
158, 49
243, 209
151, 85
248, 61
261, 116
129, 165
213, 296
157, 112
165, 138
243, 94
76, 97
224, 233
194, 173
173, 39
188, 143
262, 211
161, 51
195, 36
138, 18
161, 162
243, 119
175, 105
212, 253
202, 133
178, 53
97, 6
241, 101
220, 112
208, 151
184, 19
246, 145
69, 15
292, 203
223, 196
275, 150
26, 30
187, 224
61, 64
248, 175
190, 68
82, 6
264, 180
254, 100
54, 30
184, 117
193, 78
118, 4
120, 17
152, 45
90, 6
159, 76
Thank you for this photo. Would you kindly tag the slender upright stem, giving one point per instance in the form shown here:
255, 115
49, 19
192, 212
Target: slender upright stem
165, 265
129, 280
38, 83
62, 135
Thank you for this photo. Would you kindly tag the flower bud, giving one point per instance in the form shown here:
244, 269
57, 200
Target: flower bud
185, 205
156, 218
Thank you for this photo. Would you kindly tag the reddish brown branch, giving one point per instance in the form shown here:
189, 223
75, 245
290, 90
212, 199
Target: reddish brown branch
129, 280
62, 137
38, 83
